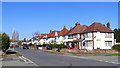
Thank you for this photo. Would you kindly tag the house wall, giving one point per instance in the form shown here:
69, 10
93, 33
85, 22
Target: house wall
66, 39
59, 40
99, 40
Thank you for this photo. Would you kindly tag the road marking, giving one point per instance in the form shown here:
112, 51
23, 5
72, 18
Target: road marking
25, 59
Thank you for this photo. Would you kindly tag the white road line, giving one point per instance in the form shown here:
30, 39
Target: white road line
25, 59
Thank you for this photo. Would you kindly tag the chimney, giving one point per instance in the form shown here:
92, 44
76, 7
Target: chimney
70, 28
64, 27
41, 34
103, 24
108, 25
50, 31
77, 24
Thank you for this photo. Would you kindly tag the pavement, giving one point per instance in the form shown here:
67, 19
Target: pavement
13, 60
46, 59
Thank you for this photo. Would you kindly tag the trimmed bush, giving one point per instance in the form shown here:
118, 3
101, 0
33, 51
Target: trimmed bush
116, 47
30, 44
55, 45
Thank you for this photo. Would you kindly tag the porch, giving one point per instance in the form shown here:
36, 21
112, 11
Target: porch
80, 44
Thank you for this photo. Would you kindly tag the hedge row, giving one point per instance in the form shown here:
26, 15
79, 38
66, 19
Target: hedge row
116, 47
56, 45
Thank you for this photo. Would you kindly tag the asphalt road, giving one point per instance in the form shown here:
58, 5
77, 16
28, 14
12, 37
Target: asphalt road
46, 59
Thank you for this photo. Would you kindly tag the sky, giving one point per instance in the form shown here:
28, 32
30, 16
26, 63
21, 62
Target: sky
30, 17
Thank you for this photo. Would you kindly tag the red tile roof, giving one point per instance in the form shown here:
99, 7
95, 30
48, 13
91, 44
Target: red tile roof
97, 27
77, 29
60, 33
42, 35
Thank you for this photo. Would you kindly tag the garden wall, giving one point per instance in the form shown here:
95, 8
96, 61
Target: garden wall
109, 51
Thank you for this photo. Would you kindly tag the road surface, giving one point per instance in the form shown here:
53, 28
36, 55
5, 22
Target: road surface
46, 59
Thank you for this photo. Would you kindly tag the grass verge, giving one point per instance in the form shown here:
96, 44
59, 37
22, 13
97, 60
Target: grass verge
112, 55
86, 53
3, 56
18, 54
53, 52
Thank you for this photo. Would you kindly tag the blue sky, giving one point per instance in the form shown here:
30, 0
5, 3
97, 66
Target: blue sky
30, 17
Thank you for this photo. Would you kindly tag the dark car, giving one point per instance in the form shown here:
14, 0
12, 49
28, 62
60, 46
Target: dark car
17, 45
38, 46
49, 47
25, 47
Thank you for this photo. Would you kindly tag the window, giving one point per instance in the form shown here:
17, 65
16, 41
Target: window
88, 35
70, 37
88, 43
108, 43
64, 37
74, 36
108, 35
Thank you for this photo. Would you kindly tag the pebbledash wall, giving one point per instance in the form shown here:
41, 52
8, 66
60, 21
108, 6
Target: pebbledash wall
103, 40
100, 41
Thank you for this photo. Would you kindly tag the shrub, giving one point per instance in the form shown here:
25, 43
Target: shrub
55, 45
116, 47
30, 44
61, 46
44, 45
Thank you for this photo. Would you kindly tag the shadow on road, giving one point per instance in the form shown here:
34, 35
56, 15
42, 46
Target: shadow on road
10, 52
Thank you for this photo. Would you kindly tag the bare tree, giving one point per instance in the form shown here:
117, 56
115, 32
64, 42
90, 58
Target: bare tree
37, 34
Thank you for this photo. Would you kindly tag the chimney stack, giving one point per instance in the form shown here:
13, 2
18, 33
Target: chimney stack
64, 27
108, 25
70, 28
50, 31
41, 34
77, 24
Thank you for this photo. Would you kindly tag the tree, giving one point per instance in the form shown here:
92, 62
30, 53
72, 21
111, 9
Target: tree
19, 42
117, 35
24, 40
37, 34
5, 42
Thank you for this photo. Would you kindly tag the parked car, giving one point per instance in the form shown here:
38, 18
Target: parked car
11, 46
17, 45
49, 47
39, 46
25, 47
69, 47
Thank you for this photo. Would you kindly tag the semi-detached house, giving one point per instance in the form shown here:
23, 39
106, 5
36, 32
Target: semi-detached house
95, 36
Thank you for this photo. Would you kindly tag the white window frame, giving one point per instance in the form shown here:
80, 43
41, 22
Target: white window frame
108, 43
108, 35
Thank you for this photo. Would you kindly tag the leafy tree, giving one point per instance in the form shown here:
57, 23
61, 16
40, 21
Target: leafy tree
5, 42
117, 35
30, 44
19, 42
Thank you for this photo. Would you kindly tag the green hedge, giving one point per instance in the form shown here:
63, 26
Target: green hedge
116, 47
30, 44
55, 45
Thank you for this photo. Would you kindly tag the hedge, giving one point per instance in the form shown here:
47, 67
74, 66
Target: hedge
116, 47
55, 45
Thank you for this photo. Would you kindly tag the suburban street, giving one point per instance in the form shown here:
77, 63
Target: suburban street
46, 59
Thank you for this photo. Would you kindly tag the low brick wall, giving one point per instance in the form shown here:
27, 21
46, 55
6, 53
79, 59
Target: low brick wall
109, 51
44, 48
